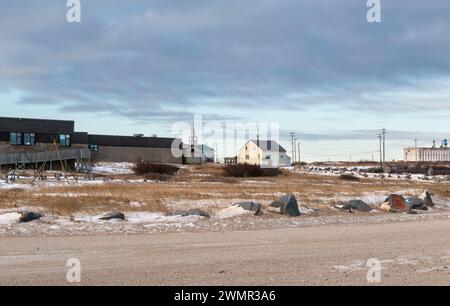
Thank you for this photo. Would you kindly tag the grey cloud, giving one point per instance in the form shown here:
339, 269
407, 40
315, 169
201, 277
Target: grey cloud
163, 59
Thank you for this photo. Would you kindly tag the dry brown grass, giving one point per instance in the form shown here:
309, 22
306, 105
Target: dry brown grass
210, 185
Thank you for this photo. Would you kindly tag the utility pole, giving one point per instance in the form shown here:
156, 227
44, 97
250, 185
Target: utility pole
384, 132
293, 146
299, 159
295, 150
415, 146
216, 151
380, 137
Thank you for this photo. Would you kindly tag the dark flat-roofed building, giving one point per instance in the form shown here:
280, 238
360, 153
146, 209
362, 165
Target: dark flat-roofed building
35, 142
30, 140
134, 148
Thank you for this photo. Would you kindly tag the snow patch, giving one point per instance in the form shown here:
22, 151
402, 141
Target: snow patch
10, 218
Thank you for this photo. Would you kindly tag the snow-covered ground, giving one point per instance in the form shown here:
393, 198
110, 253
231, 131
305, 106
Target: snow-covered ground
157, 223
360, 171
113, 168
223, 215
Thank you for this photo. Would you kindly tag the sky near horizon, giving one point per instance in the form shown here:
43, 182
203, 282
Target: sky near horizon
316, 67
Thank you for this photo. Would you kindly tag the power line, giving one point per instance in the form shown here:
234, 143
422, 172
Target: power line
345, 154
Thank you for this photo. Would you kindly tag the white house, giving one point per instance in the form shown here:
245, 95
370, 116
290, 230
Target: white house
198, 154
265, 153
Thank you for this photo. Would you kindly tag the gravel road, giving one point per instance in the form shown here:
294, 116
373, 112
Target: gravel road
410, 253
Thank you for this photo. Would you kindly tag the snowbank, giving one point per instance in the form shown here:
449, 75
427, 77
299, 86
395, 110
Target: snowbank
10, 218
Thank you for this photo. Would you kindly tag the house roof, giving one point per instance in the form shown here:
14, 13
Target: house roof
131, 141
269, 145
44, 126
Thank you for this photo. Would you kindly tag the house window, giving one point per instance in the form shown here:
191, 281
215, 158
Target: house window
29, 139
247, 157
93, 148
64, 140
16, 139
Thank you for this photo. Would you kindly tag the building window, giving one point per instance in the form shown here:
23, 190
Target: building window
29, 139
64, 140
247, 157
93, 148
16, 139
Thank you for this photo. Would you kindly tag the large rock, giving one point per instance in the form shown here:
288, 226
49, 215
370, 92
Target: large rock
112, 216
395, 203
239, 209
287, 205
250, 206
10, 218
30, 216
426, 197
195, 212
416, 203
188, 213
422, 202
358, 205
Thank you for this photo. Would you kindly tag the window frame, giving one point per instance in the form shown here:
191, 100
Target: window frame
93, 147
32, 139
65, 140
17, 136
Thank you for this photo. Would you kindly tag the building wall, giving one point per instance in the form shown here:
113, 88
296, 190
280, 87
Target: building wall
277, 159
198, 154
208, 154
6, 147
250, 154
133, 154
427, 154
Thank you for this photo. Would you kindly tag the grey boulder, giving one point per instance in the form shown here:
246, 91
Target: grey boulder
195, 212
358, 205
250, 206
188, 213
287, 205
112, 216
427, 200
30, 216
416, 203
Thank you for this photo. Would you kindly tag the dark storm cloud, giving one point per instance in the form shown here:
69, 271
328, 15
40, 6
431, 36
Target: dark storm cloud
166, 59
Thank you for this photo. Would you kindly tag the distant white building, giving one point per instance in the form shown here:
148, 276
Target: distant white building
198, 154
427, 154
265, 153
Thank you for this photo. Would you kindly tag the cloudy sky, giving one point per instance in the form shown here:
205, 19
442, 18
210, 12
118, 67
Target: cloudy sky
314, 66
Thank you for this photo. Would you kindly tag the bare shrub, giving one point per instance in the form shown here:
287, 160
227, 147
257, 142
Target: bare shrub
142, 168
348, 177
246, 170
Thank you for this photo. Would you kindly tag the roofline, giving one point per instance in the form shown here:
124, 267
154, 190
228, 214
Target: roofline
280, 148
430, 148
131, 136
37, 119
